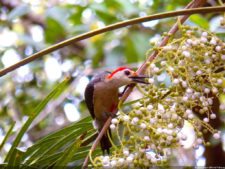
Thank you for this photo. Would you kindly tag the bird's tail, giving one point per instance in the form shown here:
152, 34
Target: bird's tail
105, 142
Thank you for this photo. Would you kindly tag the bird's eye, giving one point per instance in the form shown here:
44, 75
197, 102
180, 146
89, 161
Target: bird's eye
127, 72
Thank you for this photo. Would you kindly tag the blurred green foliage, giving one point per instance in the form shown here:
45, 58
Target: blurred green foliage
29, 26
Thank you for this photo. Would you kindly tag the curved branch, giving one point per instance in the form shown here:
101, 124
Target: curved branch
109, 28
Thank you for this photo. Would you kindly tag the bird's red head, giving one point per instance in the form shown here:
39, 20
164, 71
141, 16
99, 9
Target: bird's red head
122, 68
125, 75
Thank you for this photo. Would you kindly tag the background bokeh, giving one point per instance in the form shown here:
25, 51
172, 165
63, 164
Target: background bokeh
29, 26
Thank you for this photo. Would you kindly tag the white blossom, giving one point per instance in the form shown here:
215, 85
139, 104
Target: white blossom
212, 116
218, 48
135, 120
204, 34
206, 120
186, 53
213, 41
223, 57
114, 121
126, 118
143, 125
216, 135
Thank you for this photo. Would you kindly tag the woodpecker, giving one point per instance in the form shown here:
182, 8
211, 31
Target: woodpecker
102, 97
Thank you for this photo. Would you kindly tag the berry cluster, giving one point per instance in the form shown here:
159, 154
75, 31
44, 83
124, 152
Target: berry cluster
185, 78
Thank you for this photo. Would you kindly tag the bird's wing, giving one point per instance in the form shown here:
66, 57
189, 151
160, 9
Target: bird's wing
88, 95
89, 92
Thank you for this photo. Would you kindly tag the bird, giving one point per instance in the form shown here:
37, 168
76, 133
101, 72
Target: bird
102, 97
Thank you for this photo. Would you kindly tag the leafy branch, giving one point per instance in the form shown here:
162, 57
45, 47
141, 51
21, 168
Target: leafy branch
109, 28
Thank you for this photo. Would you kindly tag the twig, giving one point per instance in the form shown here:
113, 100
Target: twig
106, 29
141, 70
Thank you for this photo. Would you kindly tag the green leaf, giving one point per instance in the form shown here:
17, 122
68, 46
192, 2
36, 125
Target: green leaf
60, 87
199, 20
55, 142
104, 14
67, 155
54, 31
7, 135
53, 137
136, 46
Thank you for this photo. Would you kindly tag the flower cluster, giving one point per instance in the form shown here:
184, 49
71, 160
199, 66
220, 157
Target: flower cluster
185, 78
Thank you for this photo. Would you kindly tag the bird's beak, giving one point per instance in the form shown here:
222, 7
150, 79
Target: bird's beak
139, 79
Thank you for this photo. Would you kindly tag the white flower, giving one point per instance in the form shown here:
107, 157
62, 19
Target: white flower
219, 81
188, 111
135, 120
171, 68
206, 120
105, 160
213, 41
143, 125
206, 90
186, 53
151, 80
218, 48
126, 152
184, 84
159, 130
189, 41
210, 101
138, 112
152, 120
189, 90
152, 65
213, 56
190, 116
212, 116
130, 158
112, 126
163, 63
161, 108
169, 138
223, 57
216, 135
114, 121
113, 163
214, 90
174, 116
184, 47
222, 106
199, 141
207, 61
176, 81
203, 40
204, 34
149, 107
126, 118
121, 161
199, 72
185, 98
170, 125
146, 138
155, 69
195, 43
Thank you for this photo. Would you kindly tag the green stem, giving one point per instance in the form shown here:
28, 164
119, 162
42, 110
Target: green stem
110, 28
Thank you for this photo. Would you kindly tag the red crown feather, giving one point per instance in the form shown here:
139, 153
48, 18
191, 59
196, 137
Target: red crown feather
117, 70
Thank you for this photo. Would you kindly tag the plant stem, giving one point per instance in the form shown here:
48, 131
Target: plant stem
109, 28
